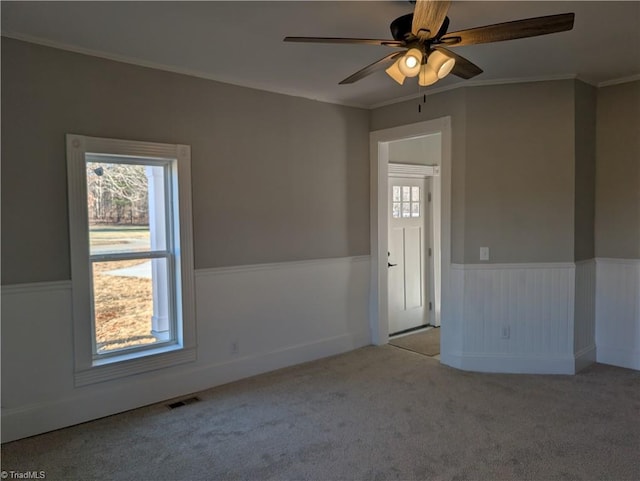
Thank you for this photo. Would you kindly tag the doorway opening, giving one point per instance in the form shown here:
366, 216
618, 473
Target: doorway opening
390, 289
413, 233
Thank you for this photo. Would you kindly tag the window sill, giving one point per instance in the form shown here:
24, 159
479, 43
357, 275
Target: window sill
134, 363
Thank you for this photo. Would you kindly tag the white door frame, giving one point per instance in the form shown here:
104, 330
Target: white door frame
379, 156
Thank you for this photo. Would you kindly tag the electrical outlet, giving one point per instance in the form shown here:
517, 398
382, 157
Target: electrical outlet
505, 333
484, 253
235, 347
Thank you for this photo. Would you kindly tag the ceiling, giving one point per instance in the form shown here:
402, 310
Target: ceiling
240, 42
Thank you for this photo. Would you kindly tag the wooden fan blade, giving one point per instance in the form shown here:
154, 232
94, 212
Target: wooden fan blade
374, 67
463, 67
364, 41
529, 27
428, 16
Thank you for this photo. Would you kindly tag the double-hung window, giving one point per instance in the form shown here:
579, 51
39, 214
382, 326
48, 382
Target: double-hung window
131, 256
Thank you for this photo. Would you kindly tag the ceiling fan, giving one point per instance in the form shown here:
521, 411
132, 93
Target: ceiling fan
423, 38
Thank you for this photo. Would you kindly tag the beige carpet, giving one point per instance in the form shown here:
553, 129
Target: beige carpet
424, 342
375, 414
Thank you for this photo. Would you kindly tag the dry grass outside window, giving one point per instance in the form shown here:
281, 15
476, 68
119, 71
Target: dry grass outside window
123, 307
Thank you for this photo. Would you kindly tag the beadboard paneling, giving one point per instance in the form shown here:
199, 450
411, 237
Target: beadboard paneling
533, 302
618, 312
584, 341
452, 322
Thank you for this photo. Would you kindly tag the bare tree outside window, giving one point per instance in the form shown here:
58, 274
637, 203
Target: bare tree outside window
118, 215
117, 194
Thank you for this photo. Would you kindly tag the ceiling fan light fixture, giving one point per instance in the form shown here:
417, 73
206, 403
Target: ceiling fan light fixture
410, 63
395, 73
423, 34
440, 63
427, 76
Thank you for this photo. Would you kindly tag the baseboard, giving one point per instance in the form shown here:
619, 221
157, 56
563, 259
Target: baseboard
136, 392
585, 358
629, 358
506, 364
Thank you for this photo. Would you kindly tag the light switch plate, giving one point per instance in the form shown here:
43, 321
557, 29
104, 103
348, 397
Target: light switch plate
484, 253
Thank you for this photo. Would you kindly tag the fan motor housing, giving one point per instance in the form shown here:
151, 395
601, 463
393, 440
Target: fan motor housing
401, 26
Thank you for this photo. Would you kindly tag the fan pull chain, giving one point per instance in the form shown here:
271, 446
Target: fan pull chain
424, 100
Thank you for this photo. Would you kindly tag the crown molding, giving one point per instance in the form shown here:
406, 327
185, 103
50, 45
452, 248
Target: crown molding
166, 68
485, 83
478, 83
623, 80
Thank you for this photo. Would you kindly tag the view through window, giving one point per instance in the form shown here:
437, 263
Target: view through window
130, 242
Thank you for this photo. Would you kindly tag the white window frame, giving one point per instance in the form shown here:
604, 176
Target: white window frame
90, 368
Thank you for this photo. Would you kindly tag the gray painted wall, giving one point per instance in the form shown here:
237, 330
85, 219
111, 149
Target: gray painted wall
425, 150
522, 163
453, 104
275, 178
585, 171
512, 168
617, 225
539, 173
519, 185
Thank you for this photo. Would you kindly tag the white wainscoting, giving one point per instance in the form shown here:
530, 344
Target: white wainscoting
618, 312
533, 303
265, 308
584, 342
452, 326
250, 319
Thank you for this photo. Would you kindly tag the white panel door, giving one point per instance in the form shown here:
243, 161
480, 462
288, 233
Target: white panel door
408, 249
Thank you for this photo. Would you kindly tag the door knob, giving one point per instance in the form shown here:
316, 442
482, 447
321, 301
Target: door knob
389, 264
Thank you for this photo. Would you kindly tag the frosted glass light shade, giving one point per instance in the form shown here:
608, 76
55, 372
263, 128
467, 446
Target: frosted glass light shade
395, 73
440, 63
427, 76
410, 63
